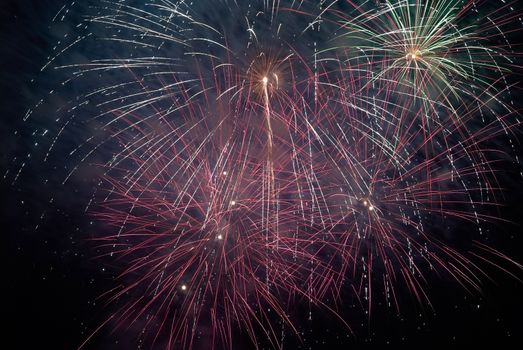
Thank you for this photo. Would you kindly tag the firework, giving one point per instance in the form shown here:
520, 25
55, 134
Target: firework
247, 166
441, 54
387, 194
202, 194
191, 225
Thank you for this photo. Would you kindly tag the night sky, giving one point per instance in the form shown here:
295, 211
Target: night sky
55, 277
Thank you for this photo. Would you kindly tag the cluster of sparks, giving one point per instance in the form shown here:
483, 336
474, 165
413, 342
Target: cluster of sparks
253, 169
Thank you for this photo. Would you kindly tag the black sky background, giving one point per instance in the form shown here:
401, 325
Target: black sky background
52, 282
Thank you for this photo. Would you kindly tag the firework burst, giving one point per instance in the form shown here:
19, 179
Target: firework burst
432, 51
249, 165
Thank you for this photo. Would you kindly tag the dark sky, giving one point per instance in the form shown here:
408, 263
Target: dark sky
53, 280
